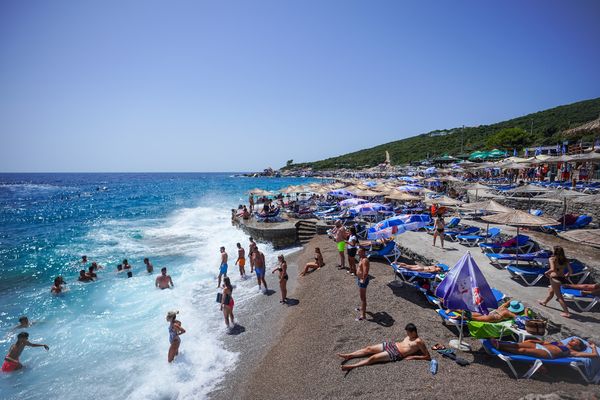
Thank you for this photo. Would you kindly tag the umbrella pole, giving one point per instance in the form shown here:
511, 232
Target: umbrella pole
564, 213
458, 344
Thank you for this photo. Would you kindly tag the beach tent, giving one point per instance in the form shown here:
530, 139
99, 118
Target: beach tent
465, 288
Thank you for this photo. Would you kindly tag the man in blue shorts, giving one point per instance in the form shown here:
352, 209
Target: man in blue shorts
362, 280
223, 267
259, 267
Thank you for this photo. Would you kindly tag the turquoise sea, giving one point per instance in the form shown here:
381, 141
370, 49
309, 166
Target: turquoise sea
108, 339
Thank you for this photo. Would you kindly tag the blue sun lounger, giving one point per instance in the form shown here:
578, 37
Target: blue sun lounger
518, 244
409, 276
470, 230
450, 225
390, 252
579, 299
474, 240
532, 275
537, 258
587, 367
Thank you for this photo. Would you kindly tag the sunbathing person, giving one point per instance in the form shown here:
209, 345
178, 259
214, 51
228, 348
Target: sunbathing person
318, 263
412, 347
507, 311
586, 288
421, 268
541, 349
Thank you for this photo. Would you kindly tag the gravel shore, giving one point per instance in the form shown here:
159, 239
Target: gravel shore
290, 352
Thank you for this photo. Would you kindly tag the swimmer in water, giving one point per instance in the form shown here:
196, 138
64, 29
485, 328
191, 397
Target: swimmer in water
175, 329
164, 281
149, 266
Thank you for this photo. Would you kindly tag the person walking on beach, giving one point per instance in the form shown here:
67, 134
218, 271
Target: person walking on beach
283, 278
241, 260
251, 202
259, 268
175, 329
149, 266
11, 361
251, 249
227, 303
557, 276
412, 347
318, 263
362, 280
223, 266
340, 240
438, 230
163, 281
351, 249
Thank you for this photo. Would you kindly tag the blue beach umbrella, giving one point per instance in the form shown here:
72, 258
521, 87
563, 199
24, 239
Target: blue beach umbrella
409, 188
465, 288
352, 202
340, 193
398, 225
370, 208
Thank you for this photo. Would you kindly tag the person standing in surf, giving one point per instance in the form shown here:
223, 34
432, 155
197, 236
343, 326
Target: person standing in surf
283, 278
149, 266
175, 329
241, 260
222, 267
259, 267
11, 361
251, 249
227, 303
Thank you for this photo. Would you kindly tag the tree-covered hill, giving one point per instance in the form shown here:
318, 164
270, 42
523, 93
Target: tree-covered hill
548, 128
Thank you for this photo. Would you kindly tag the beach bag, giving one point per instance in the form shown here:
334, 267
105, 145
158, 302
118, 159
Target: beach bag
536, 327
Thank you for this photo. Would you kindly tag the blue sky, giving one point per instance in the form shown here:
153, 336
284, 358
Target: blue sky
243, 85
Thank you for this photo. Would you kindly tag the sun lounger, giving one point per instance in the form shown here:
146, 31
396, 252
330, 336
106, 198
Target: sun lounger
587, 367
580, 222
532, 275
409, 276
446, 320
535, 258
452, 234
584, 302
266, 217
518, 244
390, 252
474, 240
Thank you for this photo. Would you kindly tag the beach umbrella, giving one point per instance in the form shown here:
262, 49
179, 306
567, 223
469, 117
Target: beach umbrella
370, 208
366, 193
407, 222
588, 199
401, 196
564, 195
260, 192
352, 202
476, 186
465, 288
409, 188
444, 201
340, 193
587, 236
430, 170
488, 206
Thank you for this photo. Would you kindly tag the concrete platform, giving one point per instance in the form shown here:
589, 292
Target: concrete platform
280, 234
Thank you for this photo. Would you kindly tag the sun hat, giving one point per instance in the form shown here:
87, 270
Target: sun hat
516, 307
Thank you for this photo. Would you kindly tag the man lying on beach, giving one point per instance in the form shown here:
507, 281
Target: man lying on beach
586, 288
163, 281
11, 361
507, 311
421, 268
412, 347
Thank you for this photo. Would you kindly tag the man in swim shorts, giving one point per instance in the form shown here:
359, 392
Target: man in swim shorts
340, 240
251, 249
223, 266
11, 361
362, 280
241, 260
259, 267
164, 281
412, 347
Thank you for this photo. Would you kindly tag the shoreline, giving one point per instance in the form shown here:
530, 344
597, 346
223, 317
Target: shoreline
291, 350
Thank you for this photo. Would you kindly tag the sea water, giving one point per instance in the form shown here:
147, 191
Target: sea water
108, 339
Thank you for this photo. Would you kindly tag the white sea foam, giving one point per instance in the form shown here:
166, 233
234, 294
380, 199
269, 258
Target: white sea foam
109, 338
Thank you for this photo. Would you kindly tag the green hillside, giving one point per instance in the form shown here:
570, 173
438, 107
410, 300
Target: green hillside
548, 126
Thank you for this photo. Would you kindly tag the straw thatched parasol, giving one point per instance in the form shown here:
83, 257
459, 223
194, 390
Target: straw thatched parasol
519, 218
366, 193
444, 201
586, 236
488, 206
260, 192
402, 196
589, 199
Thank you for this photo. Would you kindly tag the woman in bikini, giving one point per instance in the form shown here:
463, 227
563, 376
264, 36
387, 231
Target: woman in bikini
557, 276
175, 329
227, 302
541, 349
318, 263
283, 278
438, 230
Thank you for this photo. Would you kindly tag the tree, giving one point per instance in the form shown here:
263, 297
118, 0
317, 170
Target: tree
289, 163
509, 138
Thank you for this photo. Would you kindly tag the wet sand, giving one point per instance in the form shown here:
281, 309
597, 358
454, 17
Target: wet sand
289, 352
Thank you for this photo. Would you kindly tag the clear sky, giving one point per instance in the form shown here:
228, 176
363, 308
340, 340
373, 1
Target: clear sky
242, 85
